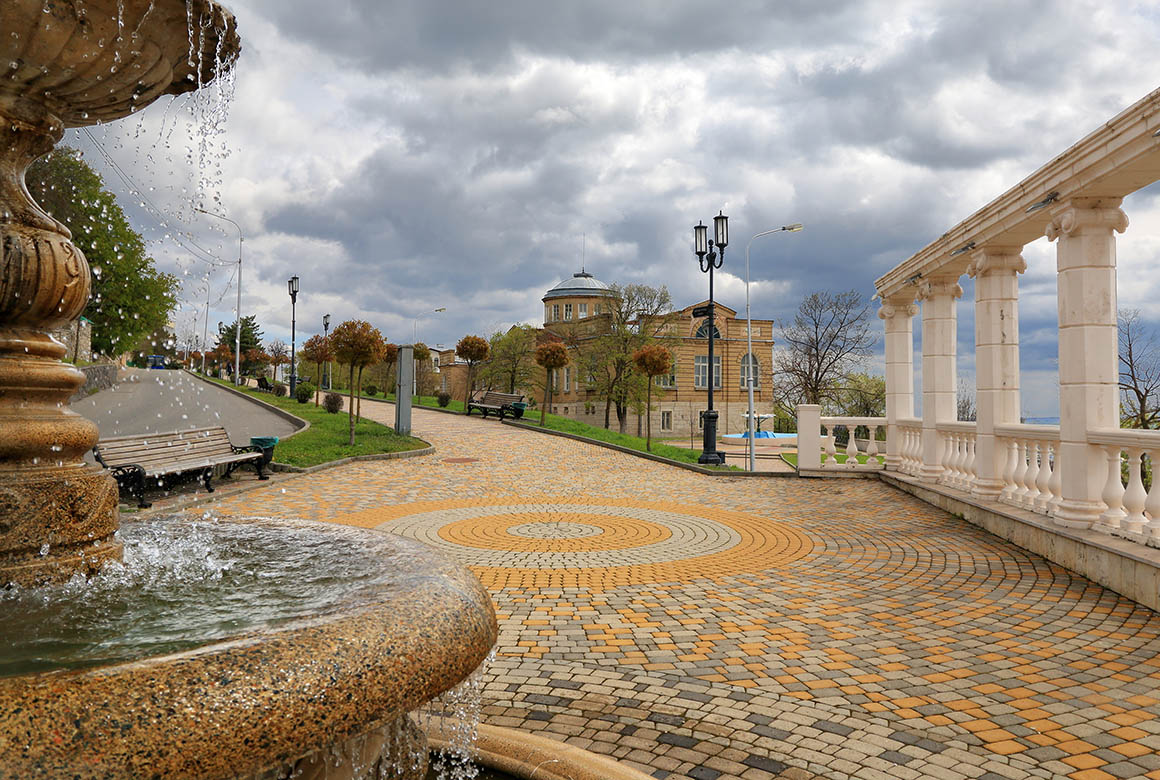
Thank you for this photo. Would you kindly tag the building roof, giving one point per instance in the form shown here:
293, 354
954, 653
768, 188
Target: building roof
581, 284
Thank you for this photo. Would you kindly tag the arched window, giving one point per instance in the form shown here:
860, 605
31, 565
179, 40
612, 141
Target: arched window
703, 331
750, 367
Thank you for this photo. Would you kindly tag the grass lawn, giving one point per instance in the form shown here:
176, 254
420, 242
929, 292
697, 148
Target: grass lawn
326, 438
840, 457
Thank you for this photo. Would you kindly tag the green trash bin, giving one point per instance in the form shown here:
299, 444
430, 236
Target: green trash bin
518, 409
266, 445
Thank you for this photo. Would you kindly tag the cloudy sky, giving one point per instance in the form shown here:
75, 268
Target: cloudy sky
405, 155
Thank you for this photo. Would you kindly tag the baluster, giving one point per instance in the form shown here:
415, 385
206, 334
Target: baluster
851, 448
908, 456
1019, 497
872, 447
952, 462
1113, 495
947, 441
831, 452
1010, 452
1055, 484
1152, 504
969, 467
1042, 479
960, 459
1032, 476
1134, 496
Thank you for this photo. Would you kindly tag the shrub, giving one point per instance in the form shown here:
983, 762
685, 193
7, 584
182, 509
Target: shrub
332, 402
279, 389
304, 391
443, 397
371, 391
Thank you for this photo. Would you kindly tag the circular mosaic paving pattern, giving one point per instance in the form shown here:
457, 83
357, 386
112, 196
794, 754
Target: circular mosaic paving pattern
570, 542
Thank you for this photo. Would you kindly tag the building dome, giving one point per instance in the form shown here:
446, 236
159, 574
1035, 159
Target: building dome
581, 284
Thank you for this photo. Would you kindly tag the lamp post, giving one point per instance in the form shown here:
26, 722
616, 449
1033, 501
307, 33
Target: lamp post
292, 285
415, 340
205, 335
751, 368
326, 337
710, 259
238, 324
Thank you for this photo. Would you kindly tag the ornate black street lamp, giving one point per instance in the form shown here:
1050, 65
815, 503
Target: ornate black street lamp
325, 336
292, 285
711, 254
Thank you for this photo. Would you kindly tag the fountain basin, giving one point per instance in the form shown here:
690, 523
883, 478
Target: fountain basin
264, 701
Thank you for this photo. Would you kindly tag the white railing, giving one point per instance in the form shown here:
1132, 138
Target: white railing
910, 446
1031, 477
1132, 511
873, 448
957, 441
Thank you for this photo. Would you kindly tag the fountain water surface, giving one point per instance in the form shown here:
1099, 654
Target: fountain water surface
234, 651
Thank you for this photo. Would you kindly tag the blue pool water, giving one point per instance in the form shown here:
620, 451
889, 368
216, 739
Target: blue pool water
760, 435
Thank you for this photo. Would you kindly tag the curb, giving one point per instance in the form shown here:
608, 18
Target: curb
439, 409
283, 467
285, 415
648, 455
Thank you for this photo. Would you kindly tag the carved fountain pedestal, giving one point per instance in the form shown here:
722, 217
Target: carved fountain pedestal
69, 64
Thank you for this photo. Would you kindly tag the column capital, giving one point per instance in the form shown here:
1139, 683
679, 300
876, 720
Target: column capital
1078, 214
992, 259
897, 306
939, 286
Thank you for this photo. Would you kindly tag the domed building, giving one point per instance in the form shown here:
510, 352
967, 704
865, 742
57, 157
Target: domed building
578, 298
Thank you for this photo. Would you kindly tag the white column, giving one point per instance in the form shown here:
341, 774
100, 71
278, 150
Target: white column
1088, 349
898, 315
995, 270
809, 427
939, 335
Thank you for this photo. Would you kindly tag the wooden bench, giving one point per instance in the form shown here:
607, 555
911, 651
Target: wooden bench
138, 458
501, 404
264, 384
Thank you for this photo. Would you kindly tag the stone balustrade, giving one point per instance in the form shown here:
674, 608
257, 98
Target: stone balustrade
817, 449
1030, 466
1131, 511
958, 454
910, 445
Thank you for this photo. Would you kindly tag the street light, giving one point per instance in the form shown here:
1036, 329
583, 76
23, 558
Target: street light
205, 336
238, 324
326, 337
710, 260
292, 285
750, 361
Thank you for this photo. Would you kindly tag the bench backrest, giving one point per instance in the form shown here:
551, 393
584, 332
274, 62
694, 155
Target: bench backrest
494, 398
151, 449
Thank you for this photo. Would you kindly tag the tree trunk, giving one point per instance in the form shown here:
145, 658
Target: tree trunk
621, 415
607, 408
467, 389
317, 382
350, 406
547, 401
358, 413
648, 422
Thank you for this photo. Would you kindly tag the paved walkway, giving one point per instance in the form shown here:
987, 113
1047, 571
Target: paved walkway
722, 628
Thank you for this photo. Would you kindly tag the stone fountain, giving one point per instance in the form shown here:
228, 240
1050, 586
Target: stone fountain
324, 695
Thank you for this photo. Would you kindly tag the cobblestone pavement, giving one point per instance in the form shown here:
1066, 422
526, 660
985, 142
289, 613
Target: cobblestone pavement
719, 628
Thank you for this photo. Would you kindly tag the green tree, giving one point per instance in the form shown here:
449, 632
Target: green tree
251, 341
357, 344
552, 355
512, 363
130, 297
638, 315
473, 350
651, 360
862, 395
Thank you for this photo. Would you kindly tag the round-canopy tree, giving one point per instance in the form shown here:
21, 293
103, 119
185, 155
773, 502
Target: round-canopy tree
552, 355
473, 350
317, 350
357, 344
652, 360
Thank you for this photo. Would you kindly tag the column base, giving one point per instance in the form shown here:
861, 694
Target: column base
57, 522
931, 474
987, 488
1077, 514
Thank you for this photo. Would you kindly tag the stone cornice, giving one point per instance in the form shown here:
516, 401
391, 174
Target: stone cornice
1120, 157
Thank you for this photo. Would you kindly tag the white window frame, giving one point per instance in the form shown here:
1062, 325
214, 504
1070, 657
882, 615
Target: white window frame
567, 312
749, 363
555, 312
567, 379
666, 421
583, 311
701, 372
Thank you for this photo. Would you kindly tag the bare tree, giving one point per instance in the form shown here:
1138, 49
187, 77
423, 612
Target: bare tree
965, 410
1139, 372
829, 338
